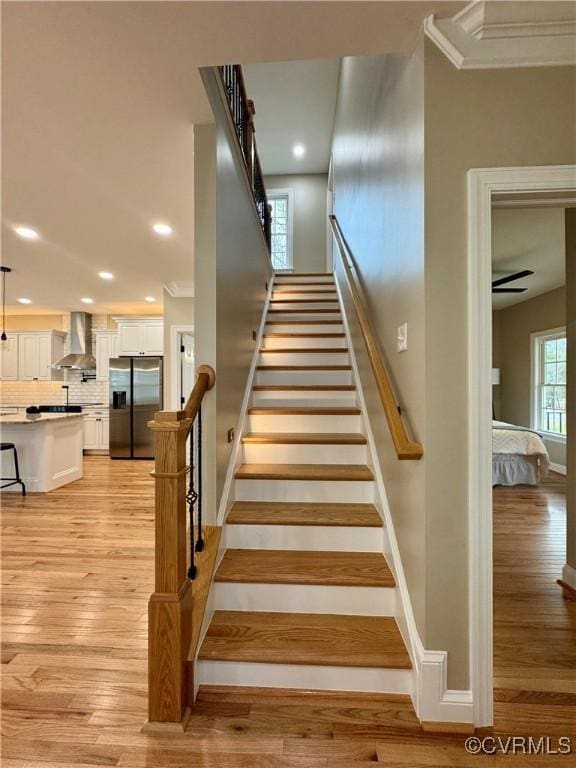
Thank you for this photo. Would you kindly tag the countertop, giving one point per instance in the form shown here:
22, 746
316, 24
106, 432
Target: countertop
21, 418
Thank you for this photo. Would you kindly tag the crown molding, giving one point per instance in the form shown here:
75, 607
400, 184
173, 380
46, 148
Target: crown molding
180, 289
491, 35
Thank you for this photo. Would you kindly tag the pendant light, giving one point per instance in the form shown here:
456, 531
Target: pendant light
4, 271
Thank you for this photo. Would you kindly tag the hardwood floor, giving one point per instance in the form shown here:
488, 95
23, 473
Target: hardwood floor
77, 572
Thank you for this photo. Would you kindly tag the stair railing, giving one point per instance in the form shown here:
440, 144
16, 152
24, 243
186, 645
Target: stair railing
242, 112
178, 536
404, 446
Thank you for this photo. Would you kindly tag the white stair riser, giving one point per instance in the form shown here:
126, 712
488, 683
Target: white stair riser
305, 676
329, 491
270, 398
302, 342
295, 279
301, 315
309, 327
260, 453
298, 598
304, 305
304, 358
317, 538
304, 377
304, 423
285, 295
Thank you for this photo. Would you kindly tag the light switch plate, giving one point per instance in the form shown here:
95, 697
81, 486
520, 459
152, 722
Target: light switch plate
403, 337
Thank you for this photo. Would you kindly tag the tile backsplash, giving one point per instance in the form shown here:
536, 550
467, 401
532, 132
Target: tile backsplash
24, 393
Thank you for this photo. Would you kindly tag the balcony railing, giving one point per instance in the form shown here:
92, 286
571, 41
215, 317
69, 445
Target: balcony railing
242, 113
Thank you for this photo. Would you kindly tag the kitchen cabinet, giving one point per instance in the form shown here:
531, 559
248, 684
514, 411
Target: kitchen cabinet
106, 347
37, 352
96, 430
140, 336
9, 358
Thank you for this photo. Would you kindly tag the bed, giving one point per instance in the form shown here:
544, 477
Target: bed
519, 456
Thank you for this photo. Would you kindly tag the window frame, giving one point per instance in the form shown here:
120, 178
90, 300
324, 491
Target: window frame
288, 193
537, 340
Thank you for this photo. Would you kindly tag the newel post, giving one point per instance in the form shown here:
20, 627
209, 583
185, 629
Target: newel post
170, 606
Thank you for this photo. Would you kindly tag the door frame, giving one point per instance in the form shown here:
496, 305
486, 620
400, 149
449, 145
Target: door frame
483, 183
175, 331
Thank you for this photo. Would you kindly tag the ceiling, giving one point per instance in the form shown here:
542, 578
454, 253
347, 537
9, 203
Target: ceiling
99, 100
295, 104
528, 238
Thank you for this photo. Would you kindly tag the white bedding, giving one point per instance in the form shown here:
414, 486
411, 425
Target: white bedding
510, 445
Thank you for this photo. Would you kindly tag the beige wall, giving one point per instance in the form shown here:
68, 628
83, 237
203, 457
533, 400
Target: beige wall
379, 202
233, 271
474, 119
406, 134
177, 311
34, 322
571, 404
309, 217
541, 313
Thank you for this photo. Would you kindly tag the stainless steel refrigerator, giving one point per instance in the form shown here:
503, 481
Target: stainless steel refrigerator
135, 395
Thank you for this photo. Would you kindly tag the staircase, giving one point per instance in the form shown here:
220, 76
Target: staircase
303, 595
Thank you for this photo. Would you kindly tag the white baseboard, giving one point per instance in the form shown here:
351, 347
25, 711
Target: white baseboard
434, 701
558, 468
569, 575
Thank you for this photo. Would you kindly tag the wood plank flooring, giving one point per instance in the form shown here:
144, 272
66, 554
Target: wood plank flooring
78, 569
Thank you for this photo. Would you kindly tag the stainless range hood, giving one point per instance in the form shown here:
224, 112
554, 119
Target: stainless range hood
80, 357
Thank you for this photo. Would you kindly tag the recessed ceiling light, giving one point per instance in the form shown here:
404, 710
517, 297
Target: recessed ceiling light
24, 301
106, 275
149, 298
27, 233
298, 150
87, 300
164, 230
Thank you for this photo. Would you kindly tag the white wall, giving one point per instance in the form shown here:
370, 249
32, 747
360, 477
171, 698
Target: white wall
309, 217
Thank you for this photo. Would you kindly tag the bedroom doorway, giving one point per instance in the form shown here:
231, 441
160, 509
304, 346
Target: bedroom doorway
513, 574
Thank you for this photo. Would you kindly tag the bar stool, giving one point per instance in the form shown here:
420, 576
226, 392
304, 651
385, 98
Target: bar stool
12, 480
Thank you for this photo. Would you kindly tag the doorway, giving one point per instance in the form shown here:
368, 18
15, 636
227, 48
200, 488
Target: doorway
186, 366
485, 185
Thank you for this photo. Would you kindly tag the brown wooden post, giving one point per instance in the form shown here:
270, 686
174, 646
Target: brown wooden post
170, 607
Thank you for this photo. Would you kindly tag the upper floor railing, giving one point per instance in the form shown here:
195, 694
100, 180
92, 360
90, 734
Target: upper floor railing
178, 537
242, 112
404, 446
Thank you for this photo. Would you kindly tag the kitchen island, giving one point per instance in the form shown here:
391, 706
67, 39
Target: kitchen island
49, 449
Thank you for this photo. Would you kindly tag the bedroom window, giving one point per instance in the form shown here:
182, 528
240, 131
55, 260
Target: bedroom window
281, 251
549, 391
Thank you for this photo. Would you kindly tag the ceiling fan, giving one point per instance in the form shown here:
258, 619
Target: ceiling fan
510, 279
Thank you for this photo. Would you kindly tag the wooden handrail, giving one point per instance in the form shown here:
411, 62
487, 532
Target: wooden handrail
170, 606
405, 448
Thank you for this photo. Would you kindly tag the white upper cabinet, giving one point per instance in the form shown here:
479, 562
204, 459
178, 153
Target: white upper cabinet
37, 352
140, 336
106, 347
9, 358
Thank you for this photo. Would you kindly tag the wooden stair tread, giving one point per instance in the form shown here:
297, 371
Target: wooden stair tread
303, 513
303, 638
305, 350
303, 301
336, 472
315, 291
304, 411
304, 336
284, 566
302, 311
303, 367
303, 322
304, 387
297, 438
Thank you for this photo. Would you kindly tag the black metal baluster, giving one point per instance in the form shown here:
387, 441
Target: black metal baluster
191, 498
200, 540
